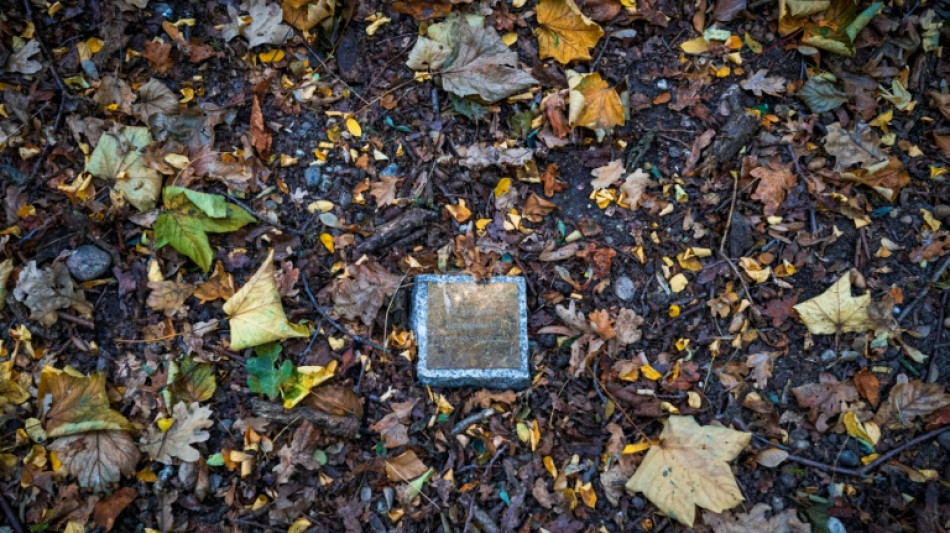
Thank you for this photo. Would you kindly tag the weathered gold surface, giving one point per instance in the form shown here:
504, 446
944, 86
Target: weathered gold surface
473, 325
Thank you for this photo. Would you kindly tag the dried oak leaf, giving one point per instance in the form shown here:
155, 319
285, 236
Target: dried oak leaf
157, 53
592, 103
825, 399
189, 427
836, 311
384, 190
758, 83
775, 180
689, 467
479, 156
850, 148
564, 33
607, 175
47, 290
266, 26
761, 366
107, 510
628, 326
634, 185
756, 521
97, 459
909, 400
22, 60
361, 293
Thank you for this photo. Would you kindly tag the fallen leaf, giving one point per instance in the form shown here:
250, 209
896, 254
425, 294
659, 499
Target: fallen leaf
190, 380
607, 175
627, 326
775, 180
821, 95
634, 185
255, 312
306, 14
536, 208
302, 379
14, 390
726, 10
266, 26
689, 467
761, 366
868, 386
107, 510
118, 157
76, 404
428, 54
384, 190
564, 33
168, 296
405, 466
361, 294
825, 399
849, 148
908, 400
188, 218
46, 290
593, 104
836, 311
264, 375
550, 182
22, 60
189, 427
260, 136
479, 156
97, 459
114, 94
158, 52
154, 98
392, 427
757, 521
758, 83
771, 457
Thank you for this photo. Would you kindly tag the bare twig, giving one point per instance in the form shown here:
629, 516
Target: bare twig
339, 327
340, 426
464, 423
923, 292
12, 519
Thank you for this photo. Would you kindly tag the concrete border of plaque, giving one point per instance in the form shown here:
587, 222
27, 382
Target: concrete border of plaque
471, 333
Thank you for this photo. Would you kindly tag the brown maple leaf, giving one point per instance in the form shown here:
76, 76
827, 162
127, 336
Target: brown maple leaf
825, 399
384, 190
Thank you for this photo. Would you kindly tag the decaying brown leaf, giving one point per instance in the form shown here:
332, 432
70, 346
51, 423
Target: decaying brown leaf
190, 423
825, 399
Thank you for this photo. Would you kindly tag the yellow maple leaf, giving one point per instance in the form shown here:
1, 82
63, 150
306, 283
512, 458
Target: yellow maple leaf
593, 104
564, 33
836, 311
256, 314
688, 467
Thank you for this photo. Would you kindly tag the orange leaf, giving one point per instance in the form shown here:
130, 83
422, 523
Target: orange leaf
593, 103
259, 134
565, 33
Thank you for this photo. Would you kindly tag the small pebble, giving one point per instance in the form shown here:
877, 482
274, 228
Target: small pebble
88, 262
944, 440
848, 459
662, 85
625, 289
638, 503
946, 322
801, 444
313, 175
828, 356
942, 211
835, 525
907, 219
788, 480
777, 504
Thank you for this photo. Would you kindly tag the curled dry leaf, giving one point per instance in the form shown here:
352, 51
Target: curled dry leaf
689, 467
392, 427
607, 175
361, 293
758, 83
46, 290
909, 400
757, 520
825, 399
405, 467
634, 185
771, 457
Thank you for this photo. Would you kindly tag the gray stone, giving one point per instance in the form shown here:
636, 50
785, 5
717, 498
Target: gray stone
848, 459
471, 333
313, 176
625, 289
944, 440
88, 262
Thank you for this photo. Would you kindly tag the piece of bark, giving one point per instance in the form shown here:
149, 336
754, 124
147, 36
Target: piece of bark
397, 228
340, 426
737, 133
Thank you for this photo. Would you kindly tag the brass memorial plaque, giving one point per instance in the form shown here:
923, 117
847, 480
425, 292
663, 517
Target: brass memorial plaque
473, 325
471, 333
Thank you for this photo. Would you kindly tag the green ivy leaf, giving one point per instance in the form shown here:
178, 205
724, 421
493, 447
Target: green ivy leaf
263, 374
190, 216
